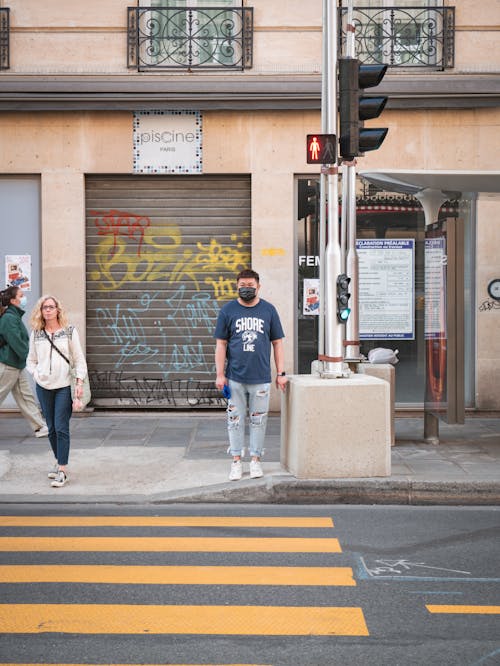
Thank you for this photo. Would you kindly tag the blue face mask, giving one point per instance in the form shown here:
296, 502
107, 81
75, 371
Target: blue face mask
23, 302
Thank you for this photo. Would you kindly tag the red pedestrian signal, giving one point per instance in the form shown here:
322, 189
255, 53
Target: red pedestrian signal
321, 149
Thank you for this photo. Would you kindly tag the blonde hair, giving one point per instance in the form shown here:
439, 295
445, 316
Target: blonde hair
38, 322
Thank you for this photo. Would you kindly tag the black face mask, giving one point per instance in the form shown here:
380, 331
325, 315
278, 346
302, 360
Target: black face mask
247, 293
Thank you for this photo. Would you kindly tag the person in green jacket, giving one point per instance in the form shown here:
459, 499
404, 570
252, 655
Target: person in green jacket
14, 346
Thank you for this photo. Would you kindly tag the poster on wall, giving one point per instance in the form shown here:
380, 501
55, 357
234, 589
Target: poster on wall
168, 142
435, 329
18, 271
435, 288
311, 297
386, 289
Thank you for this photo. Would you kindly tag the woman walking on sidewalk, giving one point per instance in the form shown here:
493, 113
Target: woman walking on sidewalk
54, 345
14, 344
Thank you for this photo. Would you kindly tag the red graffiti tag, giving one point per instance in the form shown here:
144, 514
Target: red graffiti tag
118, 223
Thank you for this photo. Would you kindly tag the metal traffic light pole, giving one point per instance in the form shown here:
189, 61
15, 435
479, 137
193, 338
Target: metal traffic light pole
352, 351
322, 189
331, 266
354, 140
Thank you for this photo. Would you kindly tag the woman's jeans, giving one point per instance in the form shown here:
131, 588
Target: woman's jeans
57, 409
256, 398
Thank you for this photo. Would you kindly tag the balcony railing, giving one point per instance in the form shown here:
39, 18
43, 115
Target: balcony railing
190, 38
404, 36
4, 38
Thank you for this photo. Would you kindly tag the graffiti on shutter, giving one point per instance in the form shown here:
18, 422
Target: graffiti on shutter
163, 253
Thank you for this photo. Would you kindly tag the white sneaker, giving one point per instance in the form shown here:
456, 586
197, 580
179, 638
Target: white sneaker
60, 480
256, 469
236, 470
54, 472
42, 432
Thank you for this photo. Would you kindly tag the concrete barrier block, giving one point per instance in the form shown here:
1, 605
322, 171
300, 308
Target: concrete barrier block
336, 428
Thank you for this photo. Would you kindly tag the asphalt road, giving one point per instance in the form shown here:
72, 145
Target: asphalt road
262, 584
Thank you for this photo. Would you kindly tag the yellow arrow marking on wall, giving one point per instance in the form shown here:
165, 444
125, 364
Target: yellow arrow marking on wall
273, 251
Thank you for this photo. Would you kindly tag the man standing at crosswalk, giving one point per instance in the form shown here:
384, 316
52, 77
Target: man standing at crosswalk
245, 330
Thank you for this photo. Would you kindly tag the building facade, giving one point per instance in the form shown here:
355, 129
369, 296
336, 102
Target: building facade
150, 151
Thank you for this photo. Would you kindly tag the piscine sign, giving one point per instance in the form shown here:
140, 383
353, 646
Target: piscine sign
168, 142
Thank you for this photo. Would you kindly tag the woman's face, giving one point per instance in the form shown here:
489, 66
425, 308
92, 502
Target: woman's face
49, 310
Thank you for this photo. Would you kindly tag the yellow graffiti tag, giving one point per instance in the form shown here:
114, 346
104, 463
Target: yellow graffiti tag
162, 257
224, 288
117, 265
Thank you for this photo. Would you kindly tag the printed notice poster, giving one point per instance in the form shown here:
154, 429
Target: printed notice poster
436, 343
386, 289
18, 271
311, 296
435, 288
167, 142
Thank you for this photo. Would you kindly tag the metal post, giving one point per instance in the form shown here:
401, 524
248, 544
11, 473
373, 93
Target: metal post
431, 201
352, 264
322, 185
352, 268
334, 356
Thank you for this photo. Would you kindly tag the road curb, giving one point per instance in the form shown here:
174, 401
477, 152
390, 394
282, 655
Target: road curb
345, 491
288, 490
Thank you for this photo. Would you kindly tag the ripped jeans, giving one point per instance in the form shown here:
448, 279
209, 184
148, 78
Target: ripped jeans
256, 398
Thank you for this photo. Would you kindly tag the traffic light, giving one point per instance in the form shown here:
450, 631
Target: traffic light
355, 108
308, 199
321, 149
343, 295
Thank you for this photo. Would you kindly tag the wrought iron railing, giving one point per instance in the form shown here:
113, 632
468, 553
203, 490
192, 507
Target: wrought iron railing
190, 38
403, 36
4, 38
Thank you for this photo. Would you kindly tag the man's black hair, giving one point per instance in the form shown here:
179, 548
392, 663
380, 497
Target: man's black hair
246, 274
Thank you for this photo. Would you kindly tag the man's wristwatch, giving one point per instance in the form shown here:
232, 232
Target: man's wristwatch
282, 374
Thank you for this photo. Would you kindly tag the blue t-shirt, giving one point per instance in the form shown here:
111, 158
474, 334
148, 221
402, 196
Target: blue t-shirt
249, 331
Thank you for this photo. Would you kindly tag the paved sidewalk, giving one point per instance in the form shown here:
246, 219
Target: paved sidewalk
181, 457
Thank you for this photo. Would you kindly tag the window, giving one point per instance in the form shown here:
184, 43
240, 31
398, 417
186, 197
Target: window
192, 33
408, 34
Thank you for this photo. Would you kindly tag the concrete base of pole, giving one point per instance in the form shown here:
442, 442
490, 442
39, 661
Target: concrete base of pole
384, 371
431, 428
336, 428
387, 372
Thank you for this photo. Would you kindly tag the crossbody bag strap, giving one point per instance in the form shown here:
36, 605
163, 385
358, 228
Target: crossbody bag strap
56, 347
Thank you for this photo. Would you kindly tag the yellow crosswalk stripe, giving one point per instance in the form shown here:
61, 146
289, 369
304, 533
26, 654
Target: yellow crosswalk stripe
220, 620
171, 544
177, 575
482, 610
166, 521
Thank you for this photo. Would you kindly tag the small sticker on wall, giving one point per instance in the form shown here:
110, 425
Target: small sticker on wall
311, 296
168, 142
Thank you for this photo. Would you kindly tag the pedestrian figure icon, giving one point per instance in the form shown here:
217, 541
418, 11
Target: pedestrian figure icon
329, 152
314, 149
321, 149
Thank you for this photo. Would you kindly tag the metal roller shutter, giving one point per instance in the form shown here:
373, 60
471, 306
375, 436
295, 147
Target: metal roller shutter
162, 256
